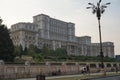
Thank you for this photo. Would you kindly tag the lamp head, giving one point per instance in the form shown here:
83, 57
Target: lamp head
88, 7
108, 3
103, 6
100, 1
90, 3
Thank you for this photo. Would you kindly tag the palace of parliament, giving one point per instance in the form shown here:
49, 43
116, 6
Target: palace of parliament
55, 33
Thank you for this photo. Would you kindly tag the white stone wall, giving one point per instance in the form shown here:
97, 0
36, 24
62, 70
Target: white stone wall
25, 71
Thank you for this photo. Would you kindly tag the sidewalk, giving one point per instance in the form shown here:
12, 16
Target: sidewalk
81, 75
109, 78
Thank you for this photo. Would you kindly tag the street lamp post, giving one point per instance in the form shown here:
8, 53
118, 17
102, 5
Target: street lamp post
99, 9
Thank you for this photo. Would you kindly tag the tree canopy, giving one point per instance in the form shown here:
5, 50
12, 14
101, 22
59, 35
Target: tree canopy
6, 45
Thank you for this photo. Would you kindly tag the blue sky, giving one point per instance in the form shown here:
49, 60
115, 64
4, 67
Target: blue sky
13, 11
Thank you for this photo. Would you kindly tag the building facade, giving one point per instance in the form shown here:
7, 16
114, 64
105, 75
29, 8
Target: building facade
24, 34
55, 34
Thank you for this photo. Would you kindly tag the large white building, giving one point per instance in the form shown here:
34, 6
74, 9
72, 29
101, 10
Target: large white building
55, 34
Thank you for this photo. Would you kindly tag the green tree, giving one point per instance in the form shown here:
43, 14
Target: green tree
25, 51
45, 51
60, 52
6, 45
31, 50
18, 51
37, 50
38, 57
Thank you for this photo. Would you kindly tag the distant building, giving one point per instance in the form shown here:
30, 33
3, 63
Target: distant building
24, 34
55, 34
108, 49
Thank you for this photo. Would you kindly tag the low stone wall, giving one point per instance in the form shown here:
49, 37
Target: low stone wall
48, 69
